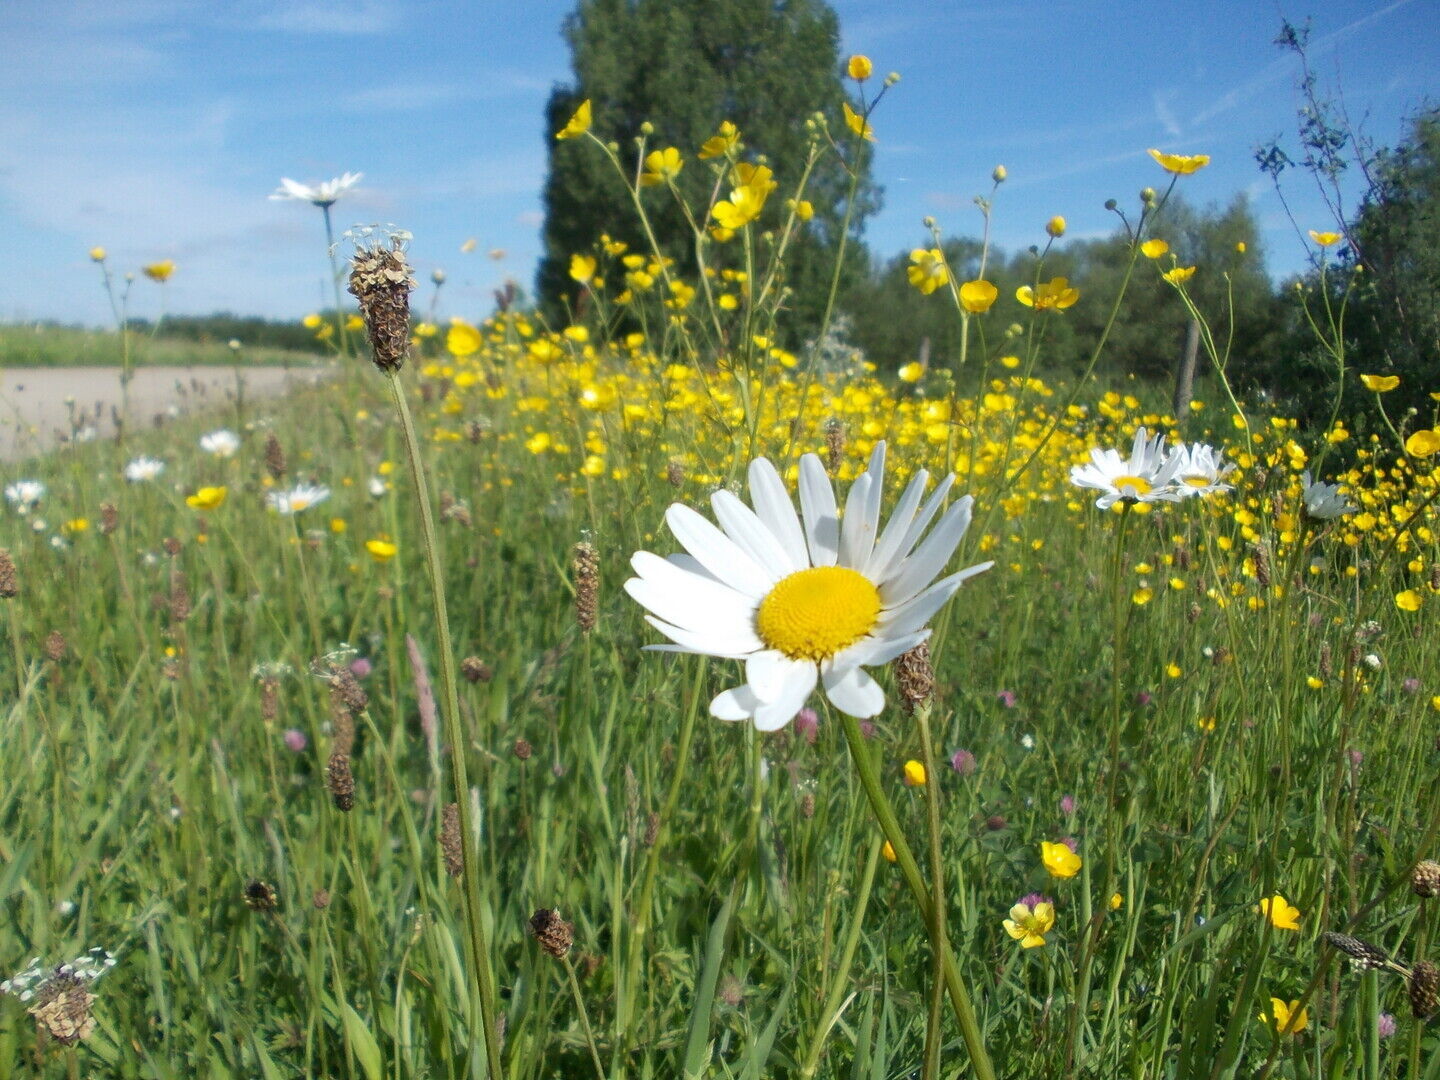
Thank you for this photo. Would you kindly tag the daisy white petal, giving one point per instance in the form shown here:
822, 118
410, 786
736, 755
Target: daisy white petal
854, 692
822, 516
922, 522
690, 602
856, 539
744, 526
765, 673
873, 651
730, 646
776, 511
902, 516
799, 681
737, 704
931, 556
719, 554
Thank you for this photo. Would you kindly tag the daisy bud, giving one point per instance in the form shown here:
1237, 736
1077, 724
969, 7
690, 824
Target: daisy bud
999, 174
1147, 196
1425, 879
647, 128
552, 933
380, 279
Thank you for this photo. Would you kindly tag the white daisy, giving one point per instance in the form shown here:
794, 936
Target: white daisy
143, 468
221, 443
804, 598
24, 494
1200, 470
322, 194
300, 497
1146, 476
1324, 501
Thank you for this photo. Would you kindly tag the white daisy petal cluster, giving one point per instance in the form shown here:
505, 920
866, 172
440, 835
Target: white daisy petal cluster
323, 194
1151, 474
143, 469
300, 497
1324, 501
222, 443
804, 598
24, 495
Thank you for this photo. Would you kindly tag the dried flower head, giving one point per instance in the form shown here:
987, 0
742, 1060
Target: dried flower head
834, 443
523, 750
260, 895
914, 677
274, 457
381, 280
1365, 956
553, 933
341, 781
1425, 879
109, 518
55, 646
475, 670
62, 1009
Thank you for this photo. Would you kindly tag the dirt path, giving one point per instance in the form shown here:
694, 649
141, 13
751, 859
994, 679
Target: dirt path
41, 408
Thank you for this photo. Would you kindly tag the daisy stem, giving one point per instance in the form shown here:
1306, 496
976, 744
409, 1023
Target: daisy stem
470, 874
905, 859
937, 895
584, 1016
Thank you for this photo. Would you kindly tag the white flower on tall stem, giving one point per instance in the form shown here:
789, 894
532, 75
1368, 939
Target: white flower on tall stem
300, 497
1146, 476
24, 495
1200, 469
1324, 501
322, 195
804, 598
222, 443
144, 468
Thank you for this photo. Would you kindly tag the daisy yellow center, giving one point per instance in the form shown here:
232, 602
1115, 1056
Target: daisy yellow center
1198, 481
813, 614
1138, 484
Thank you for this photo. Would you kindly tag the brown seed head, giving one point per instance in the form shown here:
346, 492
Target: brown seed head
914, 677
180, 605
553, 933
834, 443
1424, 989
1366, 956
1425, 879
260, 896
450, 845
1325, 665
274, 457
9, 581
381, 280
321, 900
522, 749
269, 699
1435, 576
62, 1009
586, 564
55, 646
341, 781
346, 687
1262, 565
109, 518
675, 474
171, 545
475, 670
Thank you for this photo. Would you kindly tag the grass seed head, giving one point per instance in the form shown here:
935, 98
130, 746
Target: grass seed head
1365, 956
55, 647
341, 781
380, 278
109, 518
834, 443
586, 564
9, 581
914, 677
274, 457
260, 895
450, 845
1424, 989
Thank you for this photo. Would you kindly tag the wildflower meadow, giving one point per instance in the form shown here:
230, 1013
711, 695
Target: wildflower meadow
651, 692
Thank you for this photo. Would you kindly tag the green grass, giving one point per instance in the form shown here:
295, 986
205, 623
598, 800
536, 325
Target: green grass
146, 787
56, 346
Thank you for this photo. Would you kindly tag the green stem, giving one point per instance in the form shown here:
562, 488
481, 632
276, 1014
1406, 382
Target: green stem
905, 858
584, 1017
937, 895
475, 930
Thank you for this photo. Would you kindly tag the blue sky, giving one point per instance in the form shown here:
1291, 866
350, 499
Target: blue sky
158, 127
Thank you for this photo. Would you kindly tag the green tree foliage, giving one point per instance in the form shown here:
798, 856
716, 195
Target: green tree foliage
1396, 236
683, 66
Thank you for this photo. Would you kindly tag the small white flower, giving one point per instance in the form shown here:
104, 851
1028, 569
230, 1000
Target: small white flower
1372, 661
1027, 741
1200, 470
222, 443
25, 494
1324, 501
86, 433
377, 487
58, 542
1146, 476
322, 194
65, 907
38, 525
807, 598
143, 468
300, 497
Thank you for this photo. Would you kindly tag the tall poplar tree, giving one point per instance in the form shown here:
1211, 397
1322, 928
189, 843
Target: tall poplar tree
684, 66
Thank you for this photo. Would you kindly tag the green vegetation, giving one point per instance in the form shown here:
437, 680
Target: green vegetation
45, 345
